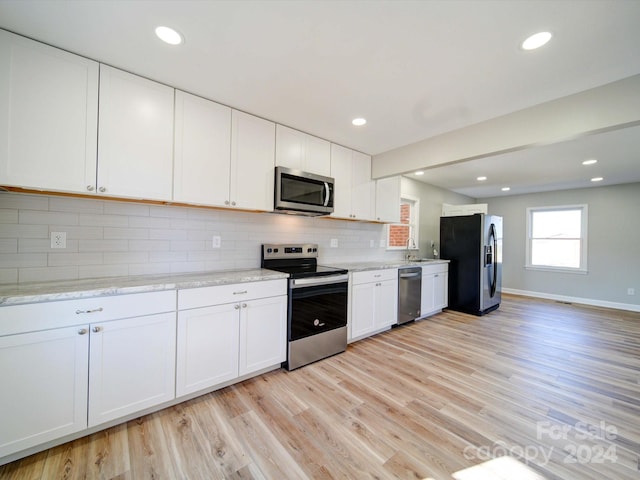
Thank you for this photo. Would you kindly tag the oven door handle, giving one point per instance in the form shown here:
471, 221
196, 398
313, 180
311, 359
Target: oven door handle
313, 281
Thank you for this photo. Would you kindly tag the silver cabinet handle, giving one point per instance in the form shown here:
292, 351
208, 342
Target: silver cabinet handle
244, 305
91, 188
95, 310
236, 306
96, 329
243, 292
103, 189
226, 202
233, 204
82, 331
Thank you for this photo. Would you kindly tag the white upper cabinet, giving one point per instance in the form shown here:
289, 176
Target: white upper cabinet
354, 196
135, 137
299, 150
388, 200
223, 157
48, 116
202, 151
253, 146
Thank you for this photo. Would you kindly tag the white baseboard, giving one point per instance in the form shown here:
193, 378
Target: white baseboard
564, 298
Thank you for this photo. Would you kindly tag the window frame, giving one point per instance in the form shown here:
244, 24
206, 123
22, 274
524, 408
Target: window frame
584, 215
414, 223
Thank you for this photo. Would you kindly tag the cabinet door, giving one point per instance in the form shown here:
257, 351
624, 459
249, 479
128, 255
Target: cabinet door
427, 299
386, 307
252, 161
48, 117
362, 187
263, 333
207, 351
440, 290
317, 156
132, 365
44, 386
388, 200
341, 172
290, 147
202, 151
362, 309
135, 136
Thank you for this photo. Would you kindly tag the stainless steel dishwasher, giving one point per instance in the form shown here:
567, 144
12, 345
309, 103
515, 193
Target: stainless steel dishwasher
409, 293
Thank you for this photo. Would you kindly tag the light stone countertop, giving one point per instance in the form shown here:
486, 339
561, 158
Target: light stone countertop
17, 294
381, 265
23, 293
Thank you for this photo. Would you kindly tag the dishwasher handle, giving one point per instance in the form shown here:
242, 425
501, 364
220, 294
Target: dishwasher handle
410, 274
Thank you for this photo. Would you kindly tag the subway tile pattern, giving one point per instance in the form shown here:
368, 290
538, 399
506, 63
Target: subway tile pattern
107, 238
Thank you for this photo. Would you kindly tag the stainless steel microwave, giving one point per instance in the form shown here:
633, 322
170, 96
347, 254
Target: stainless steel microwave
302, 193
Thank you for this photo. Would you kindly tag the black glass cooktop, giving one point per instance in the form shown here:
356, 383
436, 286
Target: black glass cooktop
303, 271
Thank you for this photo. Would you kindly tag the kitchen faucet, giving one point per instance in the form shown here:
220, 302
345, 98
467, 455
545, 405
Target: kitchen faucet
410, 244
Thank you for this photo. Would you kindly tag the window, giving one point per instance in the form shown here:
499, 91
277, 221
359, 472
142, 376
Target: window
557, 238
405, 232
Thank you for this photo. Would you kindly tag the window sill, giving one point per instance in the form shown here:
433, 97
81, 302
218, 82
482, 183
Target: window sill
577, 271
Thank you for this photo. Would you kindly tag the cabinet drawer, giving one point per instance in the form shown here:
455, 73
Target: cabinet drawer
374, 276
43, 316
236, 292
437, 268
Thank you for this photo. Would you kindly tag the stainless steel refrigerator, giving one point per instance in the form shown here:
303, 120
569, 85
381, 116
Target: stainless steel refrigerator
473, 244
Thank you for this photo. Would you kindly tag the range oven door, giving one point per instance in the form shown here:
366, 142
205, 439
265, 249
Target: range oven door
317, 305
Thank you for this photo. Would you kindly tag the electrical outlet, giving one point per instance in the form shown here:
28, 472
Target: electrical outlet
217, 241
372, 243
382, 243
334, 243
58, 239
631, 291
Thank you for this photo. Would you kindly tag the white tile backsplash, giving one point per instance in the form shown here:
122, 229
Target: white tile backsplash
108, 238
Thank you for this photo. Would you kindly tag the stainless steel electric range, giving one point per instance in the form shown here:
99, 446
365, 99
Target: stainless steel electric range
317, 313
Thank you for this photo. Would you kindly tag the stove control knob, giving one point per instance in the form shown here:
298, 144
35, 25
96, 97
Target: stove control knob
269, 250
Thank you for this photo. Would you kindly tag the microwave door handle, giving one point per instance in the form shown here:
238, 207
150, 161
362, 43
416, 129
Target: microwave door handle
326, 194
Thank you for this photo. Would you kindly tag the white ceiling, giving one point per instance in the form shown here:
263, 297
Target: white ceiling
413, 68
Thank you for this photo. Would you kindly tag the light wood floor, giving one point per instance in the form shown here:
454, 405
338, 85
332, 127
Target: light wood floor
555, 385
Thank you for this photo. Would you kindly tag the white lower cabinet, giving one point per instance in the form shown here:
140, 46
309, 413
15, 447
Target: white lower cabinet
131, 366
207, 347
73, 364
263, 334
228, 331
374, 302
66, 366
435, 294
44, 386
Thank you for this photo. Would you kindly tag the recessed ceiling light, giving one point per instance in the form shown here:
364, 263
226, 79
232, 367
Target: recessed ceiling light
419, 172
536, 41
358, 122
597, 179
505, 189
481, 179
169, 35
590, 161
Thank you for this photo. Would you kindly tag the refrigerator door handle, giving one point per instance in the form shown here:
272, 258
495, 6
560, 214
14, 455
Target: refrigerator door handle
493, 249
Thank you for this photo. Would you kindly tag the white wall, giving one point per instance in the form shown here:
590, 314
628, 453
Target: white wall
613, 246
111, 238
